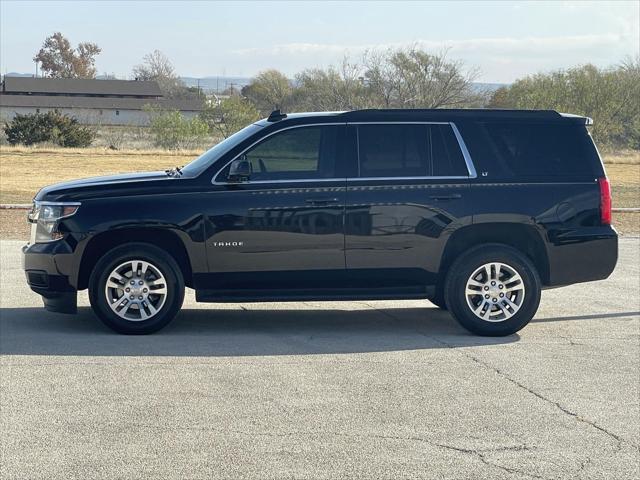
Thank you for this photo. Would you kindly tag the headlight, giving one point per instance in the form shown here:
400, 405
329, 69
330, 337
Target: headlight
44, 217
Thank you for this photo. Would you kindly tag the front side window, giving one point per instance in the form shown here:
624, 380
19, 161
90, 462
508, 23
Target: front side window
296, 154
409, 150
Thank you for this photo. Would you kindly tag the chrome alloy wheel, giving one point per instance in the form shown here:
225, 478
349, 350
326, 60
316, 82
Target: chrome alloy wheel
495, 292
136, 290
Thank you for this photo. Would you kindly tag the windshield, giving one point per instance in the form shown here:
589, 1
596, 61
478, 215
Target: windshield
207, 158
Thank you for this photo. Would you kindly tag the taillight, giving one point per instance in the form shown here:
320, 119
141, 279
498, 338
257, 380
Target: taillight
605, 201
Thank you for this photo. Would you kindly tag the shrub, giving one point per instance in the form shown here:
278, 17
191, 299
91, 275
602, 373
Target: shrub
173, 131
608, 95
230, 115
52, 127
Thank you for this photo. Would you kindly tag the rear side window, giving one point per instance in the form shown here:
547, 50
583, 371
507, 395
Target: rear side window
538, 150
409, 150
447, 159
392, 150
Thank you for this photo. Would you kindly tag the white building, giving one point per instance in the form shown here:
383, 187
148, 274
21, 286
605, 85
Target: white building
92, 102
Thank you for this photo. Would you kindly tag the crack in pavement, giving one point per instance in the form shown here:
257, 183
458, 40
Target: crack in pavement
481, 454
620, 441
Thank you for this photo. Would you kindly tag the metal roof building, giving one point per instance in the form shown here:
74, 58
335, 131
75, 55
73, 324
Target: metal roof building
93, 102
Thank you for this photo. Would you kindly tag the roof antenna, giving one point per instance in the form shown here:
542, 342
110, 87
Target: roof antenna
276, 116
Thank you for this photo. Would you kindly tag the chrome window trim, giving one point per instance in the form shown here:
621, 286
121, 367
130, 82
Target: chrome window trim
465, 152
214, 182
463, 148
452, 177
391, 122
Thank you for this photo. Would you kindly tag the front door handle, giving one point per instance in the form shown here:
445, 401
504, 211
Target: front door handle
452, 196
321, 201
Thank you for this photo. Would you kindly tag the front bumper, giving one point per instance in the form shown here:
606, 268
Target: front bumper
45, 267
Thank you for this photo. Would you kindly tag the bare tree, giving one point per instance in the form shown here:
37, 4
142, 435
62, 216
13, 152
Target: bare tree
413, 78
157, 66
59, 60
333, 88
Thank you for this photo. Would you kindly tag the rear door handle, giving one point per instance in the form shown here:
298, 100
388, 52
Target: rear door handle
452, 196
321, 201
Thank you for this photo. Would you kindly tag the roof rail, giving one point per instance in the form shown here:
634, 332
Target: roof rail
276, 116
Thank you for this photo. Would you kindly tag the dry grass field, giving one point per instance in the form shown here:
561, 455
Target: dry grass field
24, 170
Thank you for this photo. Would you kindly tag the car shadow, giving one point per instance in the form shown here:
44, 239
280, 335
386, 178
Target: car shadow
227, 332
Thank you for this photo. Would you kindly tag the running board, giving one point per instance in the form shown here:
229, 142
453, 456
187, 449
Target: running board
320, 295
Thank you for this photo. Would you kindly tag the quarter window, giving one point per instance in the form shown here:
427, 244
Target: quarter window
541, 150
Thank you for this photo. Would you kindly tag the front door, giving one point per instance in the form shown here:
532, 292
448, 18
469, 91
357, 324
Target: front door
407, 196
283, 228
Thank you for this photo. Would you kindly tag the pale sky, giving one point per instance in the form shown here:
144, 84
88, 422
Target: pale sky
504, 40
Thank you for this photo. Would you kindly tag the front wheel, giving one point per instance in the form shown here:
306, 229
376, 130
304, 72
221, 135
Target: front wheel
136, 288
493, 290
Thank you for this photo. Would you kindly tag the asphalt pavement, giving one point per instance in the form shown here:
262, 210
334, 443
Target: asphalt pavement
315, 390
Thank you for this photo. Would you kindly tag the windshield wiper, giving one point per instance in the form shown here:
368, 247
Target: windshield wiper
174, 172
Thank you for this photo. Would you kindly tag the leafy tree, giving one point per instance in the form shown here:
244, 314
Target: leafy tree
51, 127
157, 66
172, 131
59, 60
269, 90
229, 115
608, 95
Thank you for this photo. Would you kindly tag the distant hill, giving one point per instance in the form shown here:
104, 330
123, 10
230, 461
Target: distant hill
217, 84
221, 83
16, 74
488, 87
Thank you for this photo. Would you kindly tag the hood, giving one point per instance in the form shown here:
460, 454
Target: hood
98, 186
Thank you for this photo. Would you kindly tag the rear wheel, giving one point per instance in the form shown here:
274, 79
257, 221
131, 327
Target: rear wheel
136, 288
493, 290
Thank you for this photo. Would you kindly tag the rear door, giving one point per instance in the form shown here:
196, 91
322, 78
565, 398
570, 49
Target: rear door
407, 195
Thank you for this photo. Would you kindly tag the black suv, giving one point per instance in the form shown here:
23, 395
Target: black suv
475, 210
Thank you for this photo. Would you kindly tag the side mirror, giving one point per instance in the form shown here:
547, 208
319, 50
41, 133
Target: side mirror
240, 170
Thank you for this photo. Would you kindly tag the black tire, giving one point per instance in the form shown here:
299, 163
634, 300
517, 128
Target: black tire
439, 300
159, 259
466, 265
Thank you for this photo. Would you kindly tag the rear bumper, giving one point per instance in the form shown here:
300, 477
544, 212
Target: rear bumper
45, 277
582, 255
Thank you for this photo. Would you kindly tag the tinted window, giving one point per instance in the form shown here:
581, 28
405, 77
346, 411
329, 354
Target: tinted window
214, 153
540, 150
447, 157
408, 150
392, 150
298, 153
